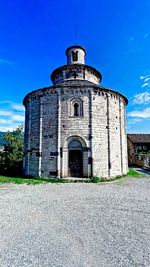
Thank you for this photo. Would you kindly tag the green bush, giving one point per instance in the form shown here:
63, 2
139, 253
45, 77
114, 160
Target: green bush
11, 159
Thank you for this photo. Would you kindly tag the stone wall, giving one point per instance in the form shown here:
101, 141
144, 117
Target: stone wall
131, 153
49, 135
31, 160
99, 134
109, 135
77, 127
50, 126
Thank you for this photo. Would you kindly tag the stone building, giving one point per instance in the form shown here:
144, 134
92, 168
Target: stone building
139, 150
76, 127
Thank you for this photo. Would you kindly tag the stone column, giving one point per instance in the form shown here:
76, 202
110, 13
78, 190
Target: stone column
58, 135
108, 135
28, 138
90, 153
40, 135
120, 125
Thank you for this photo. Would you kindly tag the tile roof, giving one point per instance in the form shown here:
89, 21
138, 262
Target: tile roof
139, 138
77, 82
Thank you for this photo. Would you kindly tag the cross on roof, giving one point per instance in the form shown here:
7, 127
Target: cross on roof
75, 75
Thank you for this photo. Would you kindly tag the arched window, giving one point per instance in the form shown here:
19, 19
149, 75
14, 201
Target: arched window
75, 55
75, 144
76, 109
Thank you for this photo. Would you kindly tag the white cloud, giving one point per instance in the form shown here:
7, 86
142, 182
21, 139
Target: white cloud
145, 114
145, 80
134, 120
142, 98
144, 85
5, 113
6, 128
11, 127
18, 107
11, 115
4, 121
12, 105
19, 118
5, 101
145, 76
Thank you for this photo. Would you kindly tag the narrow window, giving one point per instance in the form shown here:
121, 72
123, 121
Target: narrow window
76, 111
75, 55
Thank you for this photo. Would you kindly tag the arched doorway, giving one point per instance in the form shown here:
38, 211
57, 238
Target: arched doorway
75, 159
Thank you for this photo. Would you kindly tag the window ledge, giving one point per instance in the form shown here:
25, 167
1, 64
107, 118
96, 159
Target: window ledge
80, 117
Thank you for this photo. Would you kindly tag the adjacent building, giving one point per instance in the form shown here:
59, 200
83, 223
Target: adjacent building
139, 149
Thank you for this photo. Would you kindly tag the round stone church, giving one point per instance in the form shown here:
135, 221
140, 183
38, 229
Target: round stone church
76, 127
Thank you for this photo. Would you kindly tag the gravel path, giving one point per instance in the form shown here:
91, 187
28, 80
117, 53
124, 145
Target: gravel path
75, 225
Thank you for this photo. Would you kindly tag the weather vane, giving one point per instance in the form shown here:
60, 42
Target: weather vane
76, 33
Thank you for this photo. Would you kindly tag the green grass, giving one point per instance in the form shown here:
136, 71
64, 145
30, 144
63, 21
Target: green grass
39, 180
96, 179
131, 173
134, 173
33, 181
19, 180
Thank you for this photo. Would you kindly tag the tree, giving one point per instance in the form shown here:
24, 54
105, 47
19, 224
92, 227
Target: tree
12, 158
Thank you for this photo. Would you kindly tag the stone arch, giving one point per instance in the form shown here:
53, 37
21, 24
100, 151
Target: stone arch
76, 107
75, 137
75, 158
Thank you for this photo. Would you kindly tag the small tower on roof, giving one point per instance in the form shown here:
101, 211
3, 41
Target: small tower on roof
75, 55
76, 69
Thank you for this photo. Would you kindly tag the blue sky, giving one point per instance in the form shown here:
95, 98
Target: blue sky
35, 34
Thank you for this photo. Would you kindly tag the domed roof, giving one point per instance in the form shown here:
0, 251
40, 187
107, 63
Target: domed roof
75, 47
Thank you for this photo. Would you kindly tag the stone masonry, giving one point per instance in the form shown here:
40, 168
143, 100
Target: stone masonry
75, 127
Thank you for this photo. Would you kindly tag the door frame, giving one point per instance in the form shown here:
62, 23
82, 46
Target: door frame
81, 165
86, 169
